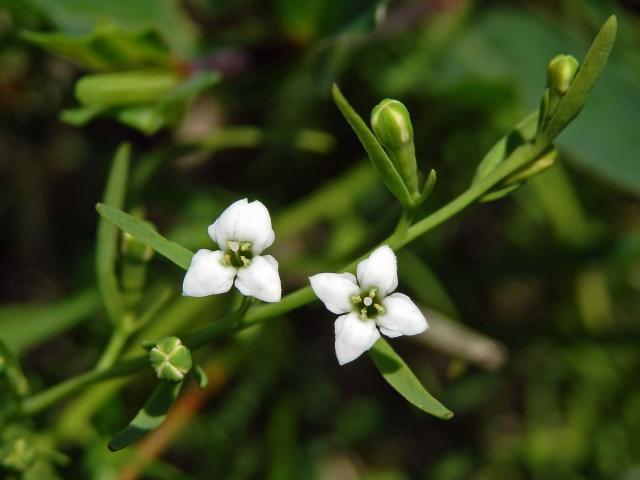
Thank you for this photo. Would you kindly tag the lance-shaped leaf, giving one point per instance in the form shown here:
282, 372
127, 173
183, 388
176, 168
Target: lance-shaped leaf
107, 237
150, 416
398, 374
178, 254
381, 162
588, 73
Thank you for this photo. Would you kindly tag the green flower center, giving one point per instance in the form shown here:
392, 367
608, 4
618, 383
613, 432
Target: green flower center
238, 254
368, 304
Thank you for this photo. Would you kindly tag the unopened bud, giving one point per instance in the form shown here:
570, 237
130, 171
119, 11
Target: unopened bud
170, 359
391, 123
561, 71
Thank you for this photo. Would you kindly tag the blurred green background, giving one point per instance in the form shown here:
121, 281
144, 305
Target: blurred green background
534, 300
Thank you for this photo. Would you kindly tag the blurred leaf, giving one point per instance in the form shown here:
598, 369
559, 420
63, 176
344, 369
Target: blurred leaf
149, 417
82, 16
147, 235
107, 236
397, 373
381, 162
146, 101
589, 72
200, 376
124, 88
107, 48
23, 326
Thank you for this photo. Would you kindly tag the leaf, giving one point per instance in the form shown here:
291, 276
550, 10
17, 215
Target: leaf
588, 74
80, 17
124, 88
202, 379
107, 48
24, 326
396, 372
523, 132
381, 162
107, 236
147, 235
149, 417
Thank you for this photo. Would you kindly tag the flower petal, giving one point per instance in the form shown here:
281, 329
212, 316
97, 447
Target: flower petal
260, 280
207, 275
335, 290
354, 337
402, 317
244, 222
379, 270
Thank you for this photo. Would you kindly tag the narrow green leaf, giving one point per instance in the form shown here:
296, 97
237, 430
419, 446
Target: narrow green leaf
107, 236
381, 162
588, 73
24, 326
149, 417
146, 234
80, 116
429, 183
523, 132
402, 379
106, 48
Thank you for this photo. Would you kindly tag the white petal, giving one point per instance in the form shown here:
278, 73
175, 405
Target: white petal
244, 222
379, 270
354, 337
260, 280
207, 275
402, 317
335, 290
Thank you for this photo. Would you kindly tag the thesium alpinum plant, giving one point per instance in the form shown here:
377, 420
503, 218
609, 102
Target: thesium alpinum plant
239, 256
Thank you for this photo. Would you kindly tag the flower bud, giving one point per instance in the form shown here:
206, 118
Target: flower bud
391, 123
170, 359
561, 71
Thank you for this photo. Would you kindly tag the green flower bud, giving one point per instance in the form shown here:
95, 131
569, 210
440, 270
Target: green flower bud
561, 71
391, 124
170, 359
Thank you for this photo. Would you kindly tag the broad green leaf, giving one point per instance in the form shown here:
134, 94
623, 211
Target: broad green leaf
80, 17
124, 88
381, 162
147, 235
588, 73
396, 372
107, 236
24, 326
149, 417
107, 48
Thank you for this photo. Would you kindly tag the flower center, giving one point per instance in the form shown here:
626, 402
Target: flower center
238, 254
368, 304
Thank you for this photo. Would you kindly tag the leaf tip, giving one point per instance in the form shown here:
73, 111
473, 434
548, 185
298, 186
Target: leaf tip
448, 415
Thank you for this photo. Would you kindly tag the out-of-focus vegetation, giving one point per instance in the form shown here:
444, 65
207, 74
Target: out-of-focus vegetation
534, 299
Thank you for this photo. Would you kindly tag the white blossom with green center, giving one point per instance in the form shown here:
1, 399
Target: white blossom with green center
242, 233
366, 304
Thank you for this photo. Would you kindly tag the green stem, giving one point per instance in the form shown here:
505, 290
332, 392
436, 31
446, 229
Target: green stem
233, 323
113, 349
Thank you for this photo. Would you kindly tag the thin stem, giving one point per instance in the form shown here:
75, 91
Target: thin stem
113, 349
300, 297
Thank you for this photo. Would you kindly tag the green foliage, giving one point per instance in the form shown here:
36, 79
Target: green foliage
396, 372
146, 234
149, 417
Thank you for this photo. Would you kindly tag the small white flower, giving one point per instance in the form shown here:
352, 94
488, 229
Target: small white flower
242, 232
367, 304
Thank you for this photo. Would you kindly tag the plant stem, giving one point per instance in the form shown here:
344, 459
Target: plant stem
113, 349
403, 235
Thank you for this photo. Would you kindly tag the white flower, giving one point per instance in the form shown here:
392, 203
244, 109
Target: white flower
367, 304
242, 232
